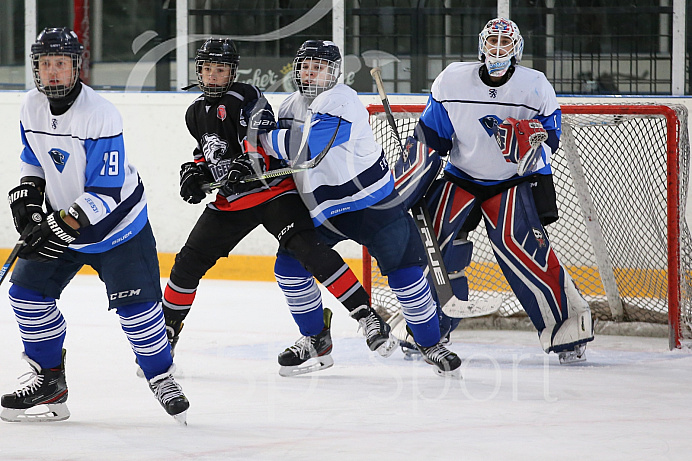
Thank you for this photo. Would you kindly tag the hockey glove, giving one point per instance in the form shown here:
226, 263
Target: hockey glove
26, 203
192, 176
519, 141
249, 163
258, 116
49, 239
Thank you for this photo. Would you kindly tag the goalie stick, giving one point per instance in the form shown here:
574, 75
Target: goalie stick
307, 165
451, 305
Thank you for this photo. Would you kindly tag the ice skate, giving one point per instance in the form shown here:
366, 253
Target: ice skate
309, 353
173, 329
41, 399
446, 362
576, 355
377, 332
170, 395
568, 339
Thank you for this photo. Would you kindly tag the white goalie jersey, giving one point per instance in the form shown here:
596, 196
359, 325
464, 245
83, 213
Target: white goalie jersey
81, 155
459, 119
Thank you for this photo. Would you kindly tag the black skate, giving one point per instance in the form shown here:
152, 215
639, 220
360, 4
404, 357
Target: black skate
170, 395
42, 399
446, 362
173, 329
377, 332
313, 349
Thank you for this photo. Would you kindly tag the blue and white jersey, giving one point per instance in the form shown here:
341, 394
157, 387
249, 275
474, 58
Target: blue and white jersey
81, 156
462, 110
354, 174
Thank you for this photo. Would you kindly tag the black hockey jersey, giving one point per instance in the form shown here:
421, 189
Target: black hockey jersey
219, 128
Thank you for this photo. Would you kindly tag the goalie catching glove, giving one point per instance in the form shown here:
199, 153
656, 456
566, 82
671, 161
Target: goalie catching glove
519, 141
48, 240
249, 163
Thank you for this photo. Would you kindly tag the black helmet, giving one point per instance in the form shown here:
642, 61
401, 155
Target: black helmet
217, 51
57, 41
324, 52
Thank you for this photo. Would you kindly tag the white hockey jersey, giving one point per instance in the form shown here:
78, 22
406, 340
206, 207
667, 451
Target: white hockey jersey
462, 110
354, 174
81, 155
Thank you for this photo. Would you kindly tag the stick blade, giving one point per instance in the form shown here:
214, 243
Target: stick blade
459, 309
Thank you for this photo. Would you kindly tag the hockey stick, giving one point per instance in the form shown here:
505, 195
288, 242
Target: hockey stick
14, 254
307, 165
451, 305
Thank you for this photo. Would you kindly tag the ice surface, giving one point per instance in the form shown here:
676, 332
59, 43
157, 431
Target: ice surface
630, 401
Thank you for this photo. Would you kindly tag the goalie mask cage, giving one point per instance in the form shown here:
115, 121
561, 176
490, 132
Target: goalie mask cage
621, 177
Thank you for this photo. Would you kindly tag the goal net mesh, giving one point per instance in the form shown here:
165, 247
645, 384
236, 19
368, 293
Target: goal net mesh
624, 160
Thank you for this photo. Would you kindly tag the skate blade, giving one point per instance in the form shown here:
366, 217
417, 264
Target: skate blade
181, 418
575, 356
38, 414
388, 347
319, 363
455, 374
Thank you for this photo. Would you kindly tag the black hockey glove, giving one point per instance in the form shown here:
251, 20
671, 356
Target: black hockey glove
26, 203
192, 176
48, 240
248, 163
259, 117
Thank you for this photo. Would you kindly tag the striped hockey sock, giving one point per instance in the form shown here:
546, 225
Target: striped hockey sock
413, 292
302, 294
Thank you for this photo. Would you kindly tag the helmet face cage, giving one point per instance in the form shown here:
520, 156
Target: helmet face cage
56, 42
221, 52
316, 67
498, 58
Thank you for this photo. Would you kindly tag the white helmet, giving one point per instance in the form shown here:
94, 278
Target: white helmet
498, 59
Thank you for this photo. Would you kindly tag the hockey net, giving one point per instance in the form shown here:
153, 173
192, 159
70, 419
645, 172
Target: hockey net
621, 177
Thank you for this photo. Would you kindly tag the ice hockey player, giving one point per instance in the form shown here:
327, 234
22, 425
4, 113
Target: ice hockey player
225, 122
499, 123
74, 160
350, 195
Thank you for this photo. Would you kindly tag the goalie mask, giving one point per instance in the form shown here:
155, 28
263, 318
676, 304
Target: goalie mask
56, 59
316, 67
500, 45
216, 65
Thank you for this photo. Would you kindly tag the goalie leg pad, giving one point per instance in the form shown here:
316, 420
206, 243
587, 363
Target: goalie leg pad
415, 171
524, 253
568, 335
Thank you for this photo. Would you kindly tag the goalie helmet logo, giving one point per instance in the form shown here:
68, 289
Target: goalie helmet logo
213, 148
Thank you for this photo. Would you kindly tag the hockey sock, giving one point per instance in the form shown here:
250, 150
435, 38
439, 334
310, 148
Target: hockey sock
302, 294
41, 326
145, 329
177, 301
413, 292
345, 287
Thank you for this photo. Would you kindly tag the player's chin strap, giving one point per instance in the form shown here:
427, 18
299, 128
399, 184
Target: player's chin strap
295, 168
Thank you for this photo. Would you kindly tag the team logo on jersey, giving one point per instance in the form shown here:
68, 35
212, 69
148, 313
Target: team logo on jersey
539, 236
213, 147
489, 122
221, 112
59, 157
492, 92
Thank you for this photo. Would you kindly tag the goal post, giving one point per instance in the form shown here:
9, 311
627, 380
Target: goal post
621, 177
